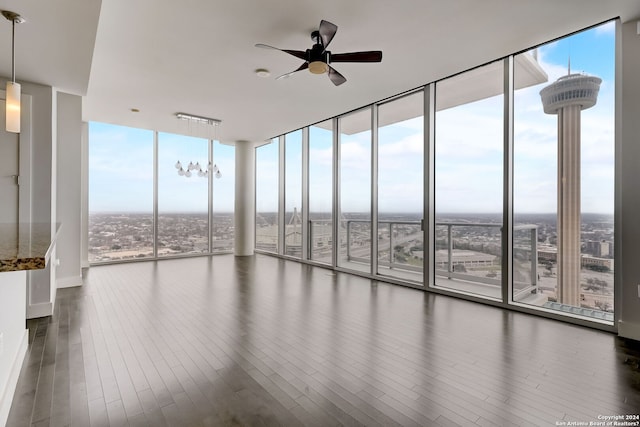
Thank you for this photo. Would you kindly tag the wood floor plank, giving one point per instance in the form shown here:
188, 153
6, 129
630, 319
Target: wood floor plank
60, 414
275, 390
155, 418
116, 413
148, 401
494, 414
25, 394
44, 391
389, 412
98, 415
262, 341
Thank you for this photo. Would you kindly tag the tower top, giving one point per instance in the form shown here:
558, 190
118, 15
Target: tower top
572, 89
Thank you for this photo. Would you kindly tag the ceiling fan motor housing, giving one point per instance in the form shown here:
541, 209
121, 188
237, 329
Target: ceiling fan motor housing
318, 59
317, 53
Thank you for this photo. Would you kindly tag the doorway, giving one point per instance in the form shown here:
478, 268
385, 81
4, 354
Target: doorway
9, 172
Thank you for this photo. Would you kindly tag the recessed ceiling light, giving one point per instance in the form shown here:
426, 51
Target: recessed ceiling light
135, 110
262, 72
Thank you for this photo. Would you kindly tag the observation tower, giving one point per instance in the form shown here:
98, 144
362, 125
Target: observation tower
566, 98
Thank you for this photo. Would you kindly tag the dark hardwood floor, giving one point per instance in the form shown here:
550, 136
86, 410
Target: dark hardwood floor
260, 341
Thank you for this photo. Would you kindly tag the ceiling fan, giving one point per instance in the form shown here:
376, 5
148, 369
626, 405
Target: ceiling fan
318, 58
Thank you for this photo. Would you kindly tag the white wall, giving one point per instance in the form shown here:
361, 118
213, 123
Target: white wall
629, 321
42, 125
69, 189
41, 293
13, 335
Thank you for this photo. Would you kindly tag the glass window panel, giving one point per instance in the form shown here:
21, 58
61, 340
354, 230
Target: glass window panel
293, 194
182, 199
400, 187
120, 193
564, 191
354, 235
469, 180
222, 228
321, 191
267, 173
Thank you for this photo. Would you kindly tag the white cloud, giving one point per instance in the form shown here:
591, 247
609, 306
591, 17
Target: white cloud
355, 155
410, 146
321, 156
606, 29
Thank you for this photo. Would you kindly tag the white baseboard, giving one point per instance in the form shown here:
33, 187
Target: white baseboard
69, 282
39, 310
629, 330
249, 252
6, 395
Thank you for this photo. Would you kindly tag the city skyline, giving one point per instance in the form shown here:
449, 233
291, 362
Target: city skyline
472, 259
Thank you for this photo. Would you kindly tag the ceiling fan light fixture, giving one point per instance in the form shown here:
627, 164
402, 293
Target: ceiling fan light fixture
318, 67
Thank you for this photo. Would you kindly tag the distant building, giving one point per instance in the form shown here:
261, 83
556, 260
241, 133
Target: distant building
464, 257
551, 254
547, 254
587, 261
598, 248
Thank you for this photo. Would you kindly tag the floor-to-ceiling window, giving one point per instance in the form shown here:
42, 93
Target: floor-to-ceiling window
267, 196
400, 187
182, 194
222, 224
293, 194
469, 180
564, 150
539, 157
354, 214
120, 193
321, 192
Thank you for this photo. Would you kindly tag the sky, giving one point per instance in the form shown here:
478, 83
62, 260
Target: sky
468, 155
121, 172
591, 52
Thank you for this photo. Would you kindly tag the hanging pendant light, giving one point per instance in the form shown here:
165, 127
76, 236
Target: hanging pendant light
13, 88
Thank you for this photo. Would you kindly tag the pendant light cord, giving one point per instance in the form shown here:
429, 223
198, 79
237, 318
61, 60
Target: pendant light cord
13, 50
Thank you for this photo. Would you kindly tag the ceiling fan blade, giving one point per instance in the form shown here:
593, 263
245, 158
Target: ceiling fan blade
336, 77
368, 56
327, 31
297, 53
300, 68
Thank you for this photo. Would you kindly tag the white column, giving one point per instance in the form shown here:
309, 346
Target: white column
245, 200
627, 244
68, 191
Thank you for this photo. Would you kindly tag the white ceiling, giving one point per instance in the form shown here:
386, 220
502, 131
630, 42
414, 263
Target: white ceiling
198, 56
55, 45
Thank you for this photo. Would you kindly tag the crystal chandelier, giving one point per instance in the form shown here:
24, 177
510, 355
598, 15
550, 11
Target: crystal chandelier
209, 124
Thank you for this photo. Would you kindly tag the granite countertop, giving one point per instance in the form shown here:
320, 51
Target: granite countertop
25, 246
